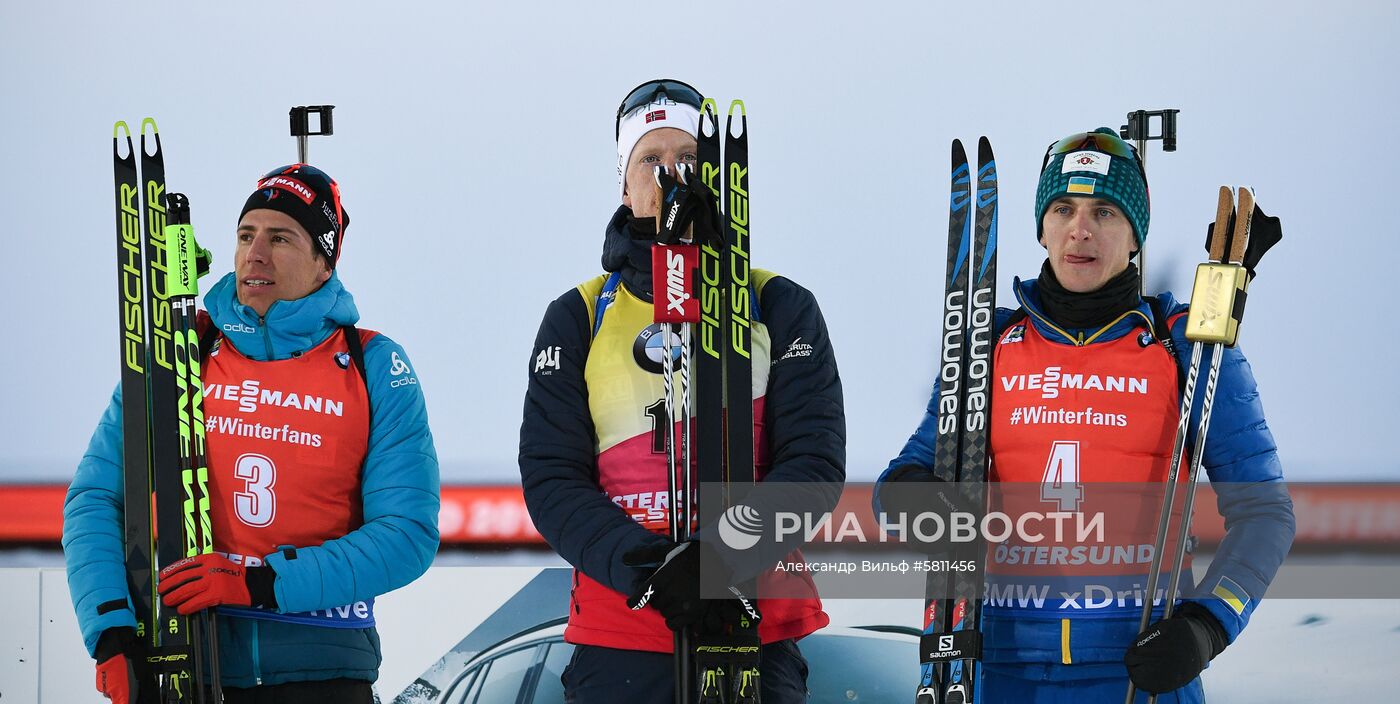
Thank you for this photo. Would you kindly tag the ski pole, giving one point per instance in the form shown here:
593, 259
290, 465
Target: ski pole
1217, 308
673, 266
188, 262
1218, 236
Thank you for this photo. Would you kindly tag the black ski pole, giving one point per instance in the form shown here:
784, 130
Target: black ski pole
187, 262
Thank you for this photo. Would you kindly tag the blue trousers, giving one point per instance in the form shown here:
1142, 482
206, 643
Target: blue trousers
607, 676
1046, 684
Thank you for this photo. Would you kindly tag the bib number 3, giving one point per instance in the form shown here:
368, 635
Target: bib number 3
256, 505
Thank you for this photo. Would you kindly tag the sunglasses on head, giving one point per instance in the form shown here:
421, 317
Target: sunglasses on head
651, 92
1094, 141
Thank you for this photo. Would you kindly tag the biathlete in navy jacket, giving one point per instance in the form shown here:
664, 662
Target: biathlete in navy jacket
594, 482
323, 483
1085, 390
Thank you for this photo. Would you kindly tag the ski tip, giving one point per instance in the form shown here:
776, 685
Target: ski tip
959, 154
709, 118
742, 123
149, 121
119, 128
984, 145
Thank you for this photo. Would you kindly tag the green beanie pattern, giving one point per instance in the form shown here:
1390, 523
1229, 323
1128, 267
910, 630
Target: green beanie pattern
1088, 170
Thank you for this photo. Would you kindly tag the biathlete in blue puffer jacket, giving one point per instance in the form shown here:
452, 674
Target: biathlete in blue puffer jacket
1085, 391
323, 481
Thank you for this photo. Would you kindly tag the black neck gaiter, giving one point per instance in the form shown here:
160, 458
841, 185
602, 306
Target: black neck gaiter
627, 250
1094, 309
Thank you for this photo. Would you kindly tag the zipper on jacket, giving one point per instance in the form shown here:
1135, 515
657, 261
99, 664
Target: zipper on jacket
267, 335
257, 664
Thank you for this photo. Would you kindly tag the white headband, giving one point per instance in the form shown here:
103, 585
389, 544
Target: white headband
652, 116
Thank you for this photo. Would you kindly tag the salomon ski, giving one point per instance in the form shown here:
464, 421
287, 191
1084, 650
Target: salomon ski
951, 642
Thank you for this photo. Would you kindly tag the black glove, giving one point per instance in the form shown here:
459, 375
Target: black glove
685, 202
122, 672
911, 489
1173, 651
673, 587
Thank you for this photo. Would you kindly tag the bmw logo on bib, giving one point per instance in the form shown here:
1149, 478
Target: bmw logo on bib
647, 349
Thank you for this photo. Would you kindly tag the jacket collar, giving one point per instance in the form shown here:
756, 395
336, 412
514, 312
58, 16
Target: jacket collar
627, 254
289, 328
1028, 295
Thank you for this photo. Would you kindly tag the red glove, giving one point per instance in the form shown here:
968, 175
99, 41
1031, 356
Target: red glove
118, 658
197, 583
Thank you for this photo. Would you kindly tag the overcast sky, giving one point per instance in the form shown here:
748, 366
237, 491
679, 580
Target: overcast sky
474, 148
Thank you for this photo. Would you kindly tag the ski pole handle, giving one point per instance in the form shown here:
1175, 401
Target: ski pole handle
673, 283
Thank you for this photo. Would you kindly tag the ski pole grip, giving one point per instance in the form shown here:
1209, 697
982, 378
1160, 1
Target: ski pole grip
1217, 303
673, 283
181, 250
177, 207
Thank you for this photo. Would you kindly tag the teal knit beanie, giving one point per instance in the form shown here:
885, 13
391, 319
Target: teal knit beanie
1095, 165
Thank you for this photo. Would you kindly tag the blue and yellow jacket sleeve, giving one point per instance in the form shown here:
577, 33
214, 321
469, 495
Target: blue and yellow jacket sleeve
1242, 463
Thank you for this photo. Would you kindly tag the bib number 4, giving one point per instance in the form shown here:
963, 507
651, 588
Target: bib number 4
1061, 485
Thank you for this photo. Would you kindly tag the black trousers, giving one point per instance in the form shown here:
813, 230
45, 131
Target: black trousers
338, 691
599, 675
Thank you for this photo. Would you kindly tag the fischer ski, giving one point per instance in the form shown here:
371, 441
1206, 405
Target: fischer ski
161, 397
136, 493
726, 666
951, 644
738, 383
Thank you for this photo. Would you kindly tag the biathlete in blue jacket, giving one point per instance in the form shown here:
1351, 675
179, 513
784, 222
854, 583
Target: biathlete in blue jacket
1085, 391
323, 482
594, 475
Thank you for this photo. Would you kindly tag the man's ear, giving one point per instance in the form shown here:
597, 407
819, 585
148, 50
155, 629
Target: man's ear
626, 197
